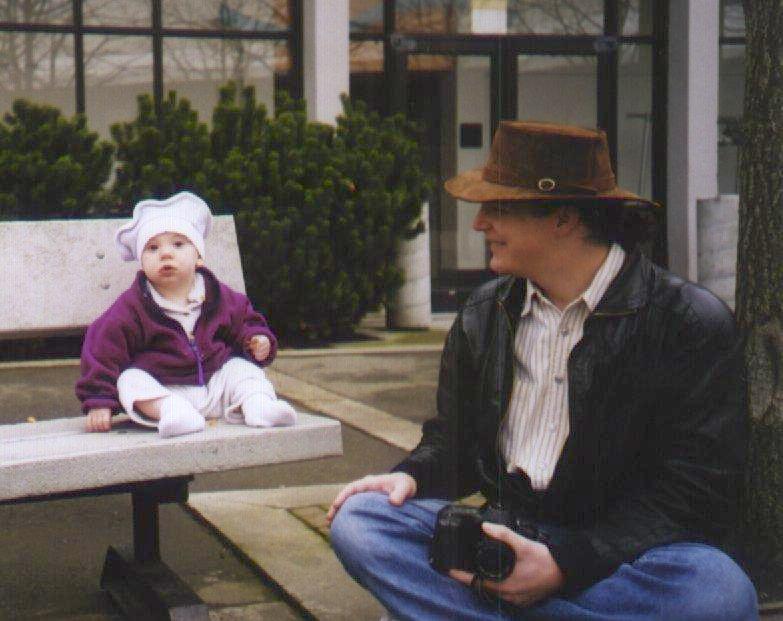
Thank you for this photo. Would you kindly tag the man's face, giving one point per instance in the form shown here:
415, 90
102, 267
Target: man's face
518, 241
169, 260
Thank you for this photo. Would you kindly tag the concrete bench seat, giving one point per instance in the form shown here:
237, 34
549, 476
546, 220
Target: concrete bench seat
57, 456
57, 277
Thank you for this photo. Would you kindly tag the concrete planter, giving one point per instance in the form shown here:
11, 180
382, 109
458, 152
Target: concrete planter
412, 306
716, 231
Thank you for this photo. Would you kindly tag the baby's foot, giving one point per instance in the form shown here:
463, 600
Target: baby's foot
178, 417
264, 411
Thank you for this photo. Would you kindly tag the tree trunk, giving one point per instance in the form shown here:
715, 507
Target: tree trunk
760, 286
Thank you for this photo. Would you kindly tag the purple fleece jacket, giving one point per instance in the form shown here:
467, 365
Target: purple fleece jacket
135, 332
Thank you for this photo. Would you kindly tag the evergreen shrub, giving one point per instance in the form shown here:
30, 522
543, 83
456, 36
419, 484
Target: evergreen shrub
51, 166
319, 209
160, 156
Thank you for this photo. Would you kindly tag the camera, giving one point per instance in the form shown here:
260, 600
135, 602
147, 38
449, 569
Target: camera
459, 542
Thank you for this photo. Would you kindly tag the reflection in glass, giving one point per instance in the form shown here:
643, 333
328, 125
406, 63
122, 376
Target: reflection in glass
366, 16
634, 119
366, 56
556, 16
731, 88
635, 17
117, 12
38, 67
197, 68
437, 16
733, 18
560, 89
256, 15
117, 69
39, 12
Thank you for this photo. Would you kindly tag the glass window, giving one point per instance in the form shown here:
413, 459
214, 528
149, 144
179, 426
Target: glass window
366, 56
197, 68
731, 88
556, 16
258, 15
366, 16
39, 12
38, 67
636, 17
433, 16
634, 119
117, 69
117, 12
733, 18
560, 89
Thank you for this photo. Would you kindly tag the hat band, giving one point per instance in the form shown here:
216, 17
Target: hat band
546, 184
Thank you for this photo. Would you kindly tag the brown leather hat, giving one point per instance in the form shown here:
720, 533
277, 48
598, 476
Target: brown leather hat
540, 162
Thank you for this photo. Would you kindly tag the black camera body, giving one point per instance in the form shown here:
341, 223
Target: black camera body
459, 542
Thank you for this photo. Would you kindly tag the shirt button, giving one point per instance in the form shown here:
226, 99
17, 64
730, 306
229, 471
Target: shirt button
551, 426
559, 379
565, 332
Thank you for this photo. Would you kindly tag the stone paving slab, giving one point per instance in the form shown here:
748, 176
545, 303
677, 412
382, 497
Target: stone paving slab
395, 431
286, 549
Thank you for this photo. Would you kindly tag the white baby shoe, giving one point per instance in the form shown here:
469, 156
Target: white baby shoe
178, 417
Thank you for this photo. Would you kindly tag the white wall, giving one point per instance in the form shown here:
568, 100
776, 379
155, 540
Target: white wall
693, 125
326, 68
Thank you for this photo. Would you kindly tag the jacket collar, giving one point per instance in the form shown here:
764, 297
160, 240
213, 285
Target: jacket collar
211, 290
628, 292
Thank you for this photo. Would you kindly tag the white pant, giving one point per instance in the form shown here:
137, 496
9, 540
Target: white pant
223, 395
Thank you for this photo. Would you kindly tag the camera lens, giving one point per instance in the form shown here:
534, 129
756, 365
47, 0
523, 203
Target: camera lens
494, 560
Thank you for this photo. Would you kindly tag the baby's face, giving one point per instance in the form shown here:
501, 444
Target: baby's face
169, 260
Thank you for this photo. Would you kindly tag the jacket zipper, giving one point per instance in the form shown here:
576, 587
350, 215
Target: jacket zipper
197, 354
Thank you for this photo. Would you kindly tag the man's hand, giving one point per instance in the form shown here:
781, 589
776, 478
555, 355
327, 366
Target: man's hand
99, 419
535, 575
398, 485
260, 347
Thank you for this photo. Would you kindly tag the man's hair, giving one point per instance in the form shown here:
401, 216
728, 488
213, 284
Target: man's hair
605, 222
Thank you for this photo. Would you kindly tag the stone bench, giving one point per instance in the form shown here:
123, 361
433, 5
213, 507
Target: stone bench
57, 277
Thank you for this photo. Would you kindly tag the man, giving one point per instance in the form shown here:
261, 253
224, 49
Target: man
595, 394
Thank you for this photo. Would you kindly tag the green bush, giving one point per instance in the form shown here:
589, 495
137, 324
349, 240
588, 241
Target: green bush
159, 156
50, 166
319, 209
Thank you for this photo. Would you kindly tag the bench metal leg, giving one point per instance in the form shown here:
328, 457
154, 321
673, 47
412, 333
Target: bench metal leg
140, 584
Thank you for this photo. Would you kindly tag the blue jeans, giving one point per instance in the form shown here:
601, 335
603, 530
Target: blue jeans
385, 549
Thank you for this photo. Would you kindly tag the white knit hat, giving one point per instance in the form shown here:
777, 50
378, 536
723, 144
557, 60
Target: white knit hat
184, 213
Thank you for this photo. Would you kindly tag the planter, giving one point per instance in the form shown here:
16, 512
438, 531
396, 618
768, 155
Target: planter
716, 234
412, 306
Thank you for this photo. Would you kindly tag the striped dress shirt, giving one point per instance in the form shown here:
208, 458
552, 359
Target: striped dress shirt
536, 425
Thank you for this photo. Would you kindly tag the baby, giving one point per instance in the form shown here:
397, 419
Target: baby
178, 346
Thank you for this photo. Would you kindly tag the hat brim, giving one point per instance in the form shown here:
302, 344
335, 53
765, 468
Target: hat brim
471, 187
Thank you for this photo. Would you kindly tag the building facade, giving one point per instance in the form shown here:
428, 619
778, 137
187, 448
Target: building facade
662, 77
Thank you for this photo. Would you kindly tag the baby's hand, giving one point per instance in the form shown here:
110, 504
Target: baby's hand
260, 347
99, 419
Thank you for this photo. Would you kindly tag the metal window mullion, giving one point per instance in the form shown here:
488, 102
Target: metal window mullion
607, 79
78, 55
157, 56
660, 118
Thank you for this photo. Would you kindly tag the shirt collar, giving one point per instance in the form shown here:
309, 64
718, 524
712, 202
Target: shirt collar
604, 276
594, 292
195, 297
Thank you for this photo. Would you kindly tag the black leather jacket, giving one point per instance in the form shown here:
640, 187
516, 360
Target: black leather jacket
657, 423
